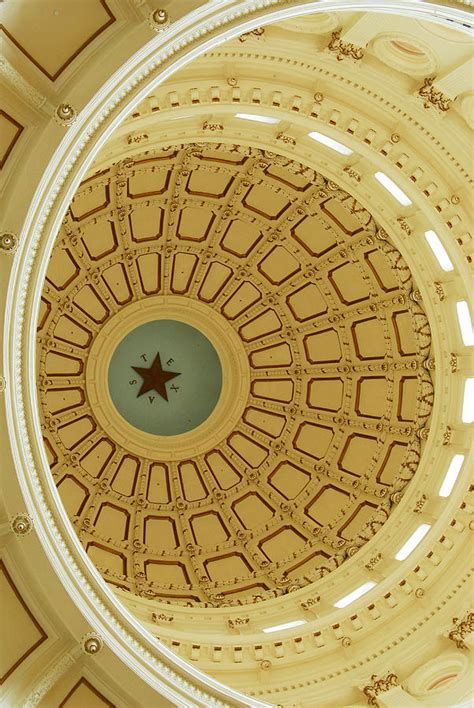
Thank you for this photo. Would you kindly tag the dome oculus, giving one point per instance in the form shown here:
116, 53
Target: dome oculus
165, 377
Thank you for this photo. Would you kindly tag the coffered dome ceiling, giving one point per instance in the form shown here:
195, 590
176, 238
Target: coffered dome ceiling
249, 231
280, 422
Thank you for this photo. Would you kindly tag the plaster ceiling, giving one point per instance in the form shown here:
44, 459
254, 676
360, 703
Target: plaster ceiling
323, 344
20, 626
66, 27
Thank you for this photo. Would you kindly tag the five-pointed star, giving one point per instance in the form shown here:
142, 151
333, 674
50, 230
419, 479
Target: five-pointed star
155, 378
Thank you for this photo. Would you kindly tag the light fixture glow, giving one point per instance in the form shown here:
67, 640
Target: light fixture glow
355, 594
439, 250
391, 187
468, 402
417, 536
286, 625
465, 323
451, 476
330, 143
258, 118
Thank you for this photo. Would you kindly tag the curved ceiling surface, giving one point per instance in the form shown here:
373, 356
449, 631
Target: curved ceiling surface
314, 317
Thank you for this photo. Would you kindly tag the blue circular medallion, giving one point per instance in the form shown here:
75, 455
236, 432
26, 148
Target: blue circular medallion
165, 377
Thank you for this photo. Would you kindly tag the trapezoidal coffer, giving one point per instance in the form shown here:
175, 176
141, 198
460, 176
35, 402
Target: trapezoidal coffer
232, 371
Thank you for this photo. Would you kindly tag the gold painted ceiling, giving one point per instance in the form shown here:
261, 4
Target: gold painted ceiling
326, 381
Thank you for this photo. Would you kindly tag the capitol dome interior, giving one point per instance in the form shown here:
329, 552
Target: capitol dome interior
237, 381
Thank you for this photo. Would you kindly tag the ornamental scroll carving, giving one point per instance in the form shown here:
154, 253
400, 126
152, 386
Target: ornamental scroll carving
257, 33
379, 685
238, 622
212, 126
161, 617
432, 98
344, 49
462, 627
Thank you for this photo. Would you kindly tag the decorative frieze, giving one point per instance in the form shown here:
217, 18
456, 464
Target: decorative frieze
22, 87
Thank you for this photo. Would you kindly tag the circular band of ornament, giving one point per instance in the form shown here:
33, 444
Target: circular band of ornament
235, 378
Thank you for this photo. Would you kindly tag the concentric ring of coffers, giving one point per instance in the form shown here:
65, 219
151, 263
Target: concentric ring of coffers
324, 320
